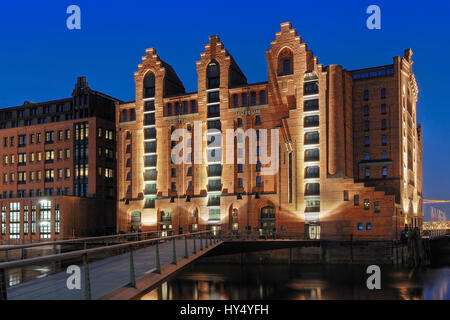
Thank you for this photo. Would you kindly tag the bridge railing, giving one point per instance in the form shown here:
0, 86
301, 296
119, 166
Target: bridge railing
59, 262
19, 251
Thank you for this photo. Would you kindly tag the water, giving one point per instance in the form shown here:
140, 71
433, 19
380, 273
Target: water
201, 281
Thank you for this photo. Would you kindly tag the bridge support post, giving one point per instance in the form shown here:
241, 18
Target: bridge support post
132, 271
87, 281
174, 251
6, 255
3, 285
186, 253
54, 262
158, 262
201, 242
195, 249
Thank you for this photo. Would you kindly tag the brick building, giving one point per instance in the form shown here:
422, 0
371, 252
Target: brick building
57, 170
350, 149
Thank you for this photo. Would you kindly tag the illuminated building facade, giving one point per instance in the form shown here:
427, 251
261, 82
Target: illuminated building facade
57, 167
349, 148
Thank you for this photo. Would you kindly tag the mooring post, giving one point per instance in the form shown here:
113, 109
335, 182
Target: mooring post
87, 281
158, 263
132, 271
195, 249
186, 253
174, 251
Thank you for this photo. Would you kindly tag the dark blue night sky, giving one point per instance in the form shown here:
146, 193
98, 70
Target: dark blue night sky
40, 58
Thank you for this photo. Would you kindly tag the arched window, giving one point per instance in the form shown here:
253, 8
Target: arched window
213, 75
239, 122
285, 62
149, 85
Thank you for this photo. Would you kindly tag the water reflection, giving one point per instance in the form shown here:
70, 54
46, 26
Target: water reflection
301, 282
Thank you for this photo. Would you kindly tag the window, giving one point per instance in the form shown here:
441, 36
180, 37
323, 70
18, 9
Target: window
45, 221
253, 98
22, 159
366, 95
49, 136
244, 99
39, 137
169, 109
383, 108
240, 168
366, 204
366, 110
149, 85
258, 166
60, 154
60, 135
67, 153
67, 134
345, 195
258, 181
356, 200
287, 66
189, 172
21, 177
257, 120
366, 141
49, 175
193, 106
25, 220
22, 140
173, 187
32, 138
14, 220
49, 156
60, 173
11, 142
262, 97
360, 226
376, 206
67, 174
384, 172
384, 155
367, 172
240, 183
366, 125
174, 172
239, 122
213, 75
383, 93
383, 124
383, 140
57, 219
366, 156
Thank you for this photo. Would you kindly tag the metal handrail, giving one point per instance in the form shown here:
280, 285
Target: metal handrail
56, 242
80, 253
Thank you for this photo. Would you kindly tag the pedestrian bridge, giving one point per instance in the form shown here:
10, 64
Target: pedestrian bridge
121, 270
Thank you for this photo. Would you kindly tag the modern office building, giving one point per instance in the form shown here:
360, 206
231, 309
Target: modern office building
348, 144
57, 170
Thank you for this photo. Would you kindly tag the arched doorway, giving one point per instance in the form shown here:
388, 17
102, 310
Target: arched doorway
193, 220
165, 223
233, 220
135, 221
267, 217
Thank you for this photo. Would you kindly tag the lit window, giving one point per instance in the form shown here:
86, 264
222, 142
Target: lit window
366, 204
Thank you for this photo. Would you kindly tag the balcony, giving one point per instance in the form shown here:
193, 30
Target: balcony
214, 185
213, 201
214, 171
311, 122
150, 133
150, 175
311, 105
150, 161
312, 155
312, 173
150, 189
312, 189
312, 138
311, 88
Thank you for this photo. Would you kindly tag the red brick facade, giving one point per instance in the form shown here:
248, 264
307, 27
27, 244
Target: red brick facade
323, 115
